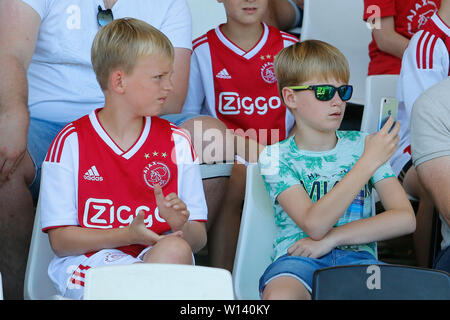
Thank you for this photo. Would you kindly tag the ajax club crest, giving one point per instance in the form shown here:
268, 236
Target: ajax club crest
156, 173
268, 73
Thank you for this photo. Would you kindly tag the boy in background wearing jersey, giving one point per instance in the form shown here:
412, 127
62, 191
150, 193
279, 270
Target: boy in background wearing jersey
232, 79
320, 179
105, 175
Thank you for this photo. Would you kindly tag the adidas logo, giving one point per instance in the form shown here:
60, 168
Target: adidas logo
92, 175
223, 74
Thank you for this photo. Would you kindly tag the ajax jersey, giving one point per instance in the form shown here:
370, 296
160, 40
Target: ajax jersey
425, 63
112, 185
238, 87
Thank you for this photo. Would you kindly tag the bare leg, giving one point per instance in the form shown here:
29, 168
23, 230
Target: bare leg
213, 144
225, 231
424, 216
16, 224
285, 288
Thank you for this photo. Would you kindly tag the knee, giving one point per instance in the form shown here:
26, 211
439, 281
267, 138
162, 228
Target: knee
176, 250
285, 289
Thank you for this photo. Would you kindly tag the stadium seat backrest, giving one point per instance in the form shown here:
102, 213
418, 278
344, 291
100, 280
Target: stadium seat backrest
38, 285
206, 15
340, 23
256, 235
380, 282
155, 281
377, 87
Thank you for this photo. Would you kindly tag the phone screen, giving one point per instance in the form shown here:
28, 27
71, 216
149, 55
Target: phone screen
389, 107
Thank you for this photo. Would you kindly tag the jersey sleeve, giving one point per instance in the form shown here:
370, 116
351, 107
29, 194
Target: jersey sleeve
178, 25
59, 180
386, 8
190, 186
196, 92
425, 63
39, 6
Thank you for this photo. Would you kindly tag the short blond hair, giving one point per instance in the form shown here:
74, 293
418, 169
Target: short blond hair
121, 42
310, 59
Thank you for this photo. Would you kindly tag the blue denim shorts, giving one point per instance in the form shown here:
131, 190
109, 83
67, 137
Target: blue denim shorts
302, 268
41, 134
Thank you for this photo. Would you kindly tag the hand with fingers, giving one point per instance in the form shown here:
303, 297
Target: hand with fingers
310, 248
380, 146
171, 208
140, 234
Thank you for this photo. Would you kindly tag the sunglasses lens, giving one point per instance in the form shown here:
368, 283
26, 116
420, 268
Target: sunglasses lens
345, 92
325, 93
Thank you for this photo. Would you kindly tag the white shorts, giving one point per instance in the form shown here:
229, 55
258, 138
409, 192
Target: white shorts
68, 273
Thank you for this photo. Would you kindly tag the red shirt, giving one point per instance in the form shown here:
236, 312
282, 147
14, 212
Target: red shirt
409, 17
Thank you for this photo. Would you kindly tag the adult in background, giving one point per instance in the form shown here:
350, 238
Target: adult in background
430, 145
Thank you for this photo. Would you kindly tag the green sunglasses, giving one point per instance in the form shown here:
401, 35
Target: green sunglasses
326, 92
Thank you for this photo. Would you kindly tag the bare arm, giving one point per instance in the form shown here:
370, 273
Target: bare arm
180, 80
317, 219
435, 177
74, 240
397, 220
19, 25
388, 40
194, 232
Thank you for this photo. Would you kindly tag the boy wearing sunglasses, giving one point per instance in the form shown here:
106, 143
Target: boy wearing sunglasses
320, 180
128, 183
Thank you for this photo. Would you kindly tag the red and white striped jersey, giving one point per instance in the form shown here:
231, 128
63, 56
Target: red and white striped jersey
89, 181
240, 87
425, 63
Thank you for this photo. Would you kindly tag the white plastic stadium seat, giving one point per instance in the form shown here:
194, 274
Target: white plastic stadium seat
206, 15
377, 87
38, 285
1, 287
340, 23
152, 281
256, 235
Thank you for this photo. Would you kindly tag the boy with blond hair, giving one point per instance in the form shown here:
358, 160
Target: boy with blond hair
105, 175
320, 179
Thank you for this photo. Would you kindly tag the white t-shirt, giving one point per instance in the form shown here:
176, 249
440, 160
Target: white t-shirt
62, 83
425, 63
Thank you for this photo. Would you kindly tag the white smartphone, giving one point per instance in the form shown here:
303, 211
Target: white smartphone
389, 107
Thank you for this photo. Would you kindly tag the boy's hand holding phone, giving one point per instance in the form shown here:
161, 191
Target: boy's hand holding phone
171, 208
380, 146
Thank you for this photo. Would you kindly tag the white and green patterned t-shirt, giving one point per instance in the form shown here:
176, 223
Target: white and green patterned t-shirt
283, 165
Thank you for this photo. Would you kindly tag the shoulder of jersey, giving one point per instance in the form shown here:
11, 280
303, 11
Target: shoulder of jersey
55, 150
178, 132
289, 37
199, 41
425, 45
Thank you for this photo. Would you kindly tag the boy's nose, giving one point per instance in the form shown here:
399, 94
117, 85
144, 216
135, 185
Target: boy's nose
168, 85
336, 100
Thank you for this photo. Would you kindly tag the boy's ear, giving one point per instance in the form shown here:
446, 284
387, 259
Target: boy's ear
289, 97
117, 81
